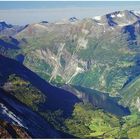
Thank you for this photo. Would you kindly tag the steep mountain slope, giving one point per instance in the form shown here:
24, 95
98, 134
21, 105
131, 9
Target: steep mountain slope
47, 106
131, 95
8, 130
52, 93
15, 112
90, 60
18, 77
100, 53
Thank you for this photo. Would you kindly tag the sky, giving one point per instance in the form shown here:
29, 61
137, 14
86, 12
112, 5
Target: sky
27, 12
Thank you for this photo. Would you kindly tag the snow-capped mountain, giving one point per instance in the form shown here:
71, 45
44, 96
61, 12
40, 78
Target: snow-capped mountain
119, 18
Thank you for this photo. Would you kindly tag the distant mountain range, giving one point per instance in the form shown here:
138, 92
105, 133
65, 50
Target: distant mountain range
74, 78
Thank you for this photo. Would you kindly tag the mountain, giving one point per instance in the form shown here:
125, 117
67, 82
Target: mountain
100, 53
23, 94
13, 111
50, 91
79, 77
130, 95
4, 25
104, 48
8, 29
16, 113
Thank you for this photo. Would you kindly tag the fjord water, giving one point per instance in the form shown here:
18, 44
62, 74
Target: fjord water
99, 100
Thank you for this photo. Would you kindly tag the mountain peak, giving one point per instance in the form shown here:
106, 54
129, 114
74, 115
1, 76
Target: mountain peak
137, 13
118, 18
67, 21
4, 25
73, 19
44, 21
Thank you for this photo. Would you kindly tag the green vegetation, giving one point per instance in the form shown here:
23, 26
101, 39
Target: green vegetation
110, 63
88, 53
58, 81
41, 41
71, 46
86, 121
55, 118
131, 95
87, 79
90, 122
8, 52
112, 58
131, 127
62, 61
110, 67
39, 66
24, 91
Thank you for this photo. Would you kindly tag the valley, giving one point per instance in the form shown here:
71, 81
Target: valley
74, 78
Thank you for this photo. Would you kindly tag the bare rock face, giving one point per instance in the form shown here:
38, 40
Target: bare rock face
138, 104
8, 131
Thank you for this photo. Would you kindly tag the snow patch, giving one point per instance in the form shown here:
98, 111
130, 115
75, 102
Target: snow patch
123, 24
100, 24
97, 18
113, 16
6, 111
112, 28
2, 20
137, 13
120, 15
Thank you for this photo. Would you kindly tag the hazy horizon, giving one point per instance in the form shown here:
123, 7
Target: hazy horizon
30, 12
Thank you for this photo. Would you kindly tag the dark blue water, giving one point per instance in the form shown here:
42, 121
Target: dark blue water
102, 100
